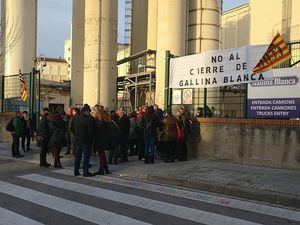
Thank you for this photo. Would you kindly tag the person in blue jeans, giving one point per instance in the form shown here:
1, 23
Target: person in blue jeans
150, 124
83, 127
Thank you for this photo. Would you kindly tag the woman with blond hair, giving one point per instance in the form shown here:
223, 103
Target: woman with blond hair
102, 139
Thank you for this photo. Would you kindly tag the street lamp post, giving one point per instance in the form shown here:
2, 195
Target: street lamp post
40, 63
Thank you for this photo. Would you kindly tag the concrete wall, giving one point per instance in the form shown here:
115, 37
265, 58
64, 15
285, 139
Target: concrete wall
236, 27
56, 70
263, 145
265, 20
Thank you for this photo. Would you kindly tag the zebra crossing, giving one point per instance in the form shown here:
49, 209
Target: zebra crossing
61, 198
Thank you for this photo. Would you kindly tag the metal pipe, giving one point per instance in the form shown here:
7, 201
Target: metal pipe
167, 67
136, 56
135, 88
150, 88
246, 101
39, 100
2, 93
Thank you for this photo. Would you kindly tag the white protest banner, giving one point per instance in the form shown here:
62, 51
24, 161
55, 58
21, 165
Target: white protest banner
217, 68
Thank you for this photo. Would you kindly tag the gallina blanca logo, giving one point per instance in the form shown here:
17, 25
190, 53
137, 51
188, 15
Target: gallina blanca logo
278, 81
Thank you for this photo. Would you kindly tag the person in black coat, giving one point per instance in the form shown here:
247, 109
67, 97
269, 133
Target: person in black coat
151, 124
115, 137
58, 139
124, 124
83, 129
43, 137
102, 139
28, 131
67, 119
75, 113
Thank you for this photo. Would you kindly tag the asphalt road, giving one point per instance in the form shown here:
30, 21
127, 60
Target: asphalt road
31, 195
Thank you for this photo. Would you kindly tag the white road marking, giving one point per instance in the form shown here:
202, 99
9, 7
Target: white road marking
198, 196
10, 218
75, 209
141, 202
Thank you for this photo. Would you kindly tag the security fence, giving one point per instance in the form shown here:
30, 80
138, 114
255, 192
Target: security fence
10, 97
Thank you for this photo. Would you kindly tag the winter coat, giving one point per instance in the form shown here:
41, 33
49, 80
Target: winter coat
115, 133
132, 134
29, 127
150, 124
19, 126
124, 125
185, 125
44, 130
57, 134
169, 129
102, 135
83, 127
159, 114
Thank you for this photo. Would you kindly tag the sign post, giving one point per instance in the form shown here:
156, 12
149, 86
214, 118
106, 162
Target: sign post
168, 90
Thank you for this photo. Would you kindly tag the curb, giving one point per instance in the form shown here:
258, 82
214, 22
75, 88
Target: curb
283, 199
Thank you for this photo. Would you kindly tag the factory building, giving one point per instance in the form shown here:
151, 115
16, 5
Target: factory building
100, 75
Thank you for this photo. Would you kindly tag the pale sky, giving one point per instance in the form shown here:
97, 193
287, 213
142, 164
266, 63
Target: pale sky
54, 17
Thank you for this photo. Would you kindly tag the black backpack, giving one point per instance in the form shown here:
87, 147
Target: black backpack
10, 125
150, 128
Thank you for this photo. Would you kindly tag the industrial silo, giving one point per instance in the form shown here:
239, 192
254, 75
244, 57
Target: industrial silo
19, 27
204, 29
100, 52
204, 25
138, 43
171, 35
77, 38
152, 24
139, 26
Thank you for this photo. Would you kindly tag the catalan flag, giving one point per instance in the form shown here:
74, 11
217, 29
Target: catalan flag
23, 87
277, 52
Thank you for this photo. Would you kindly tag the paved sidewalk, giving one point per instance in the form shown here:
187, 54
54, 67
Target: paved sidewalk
253, 182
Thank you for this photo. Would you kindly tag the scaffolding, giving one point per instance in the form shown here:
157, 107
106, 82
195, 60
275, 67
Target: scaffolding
138, 88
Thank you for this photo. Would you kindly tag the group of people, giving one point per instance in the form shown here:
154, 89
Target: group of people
87, 131
161, 132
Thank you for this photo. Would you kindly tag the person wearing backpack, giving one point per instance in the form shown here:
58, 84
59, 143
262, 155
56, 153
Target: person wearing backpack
150, 124
16, 127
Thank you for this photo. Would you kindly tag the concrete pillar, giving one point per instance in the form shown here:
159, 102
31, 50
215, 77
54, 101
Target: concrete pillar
171, 35
77, 38
100, 52
19, 45
139, 26
152, 25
